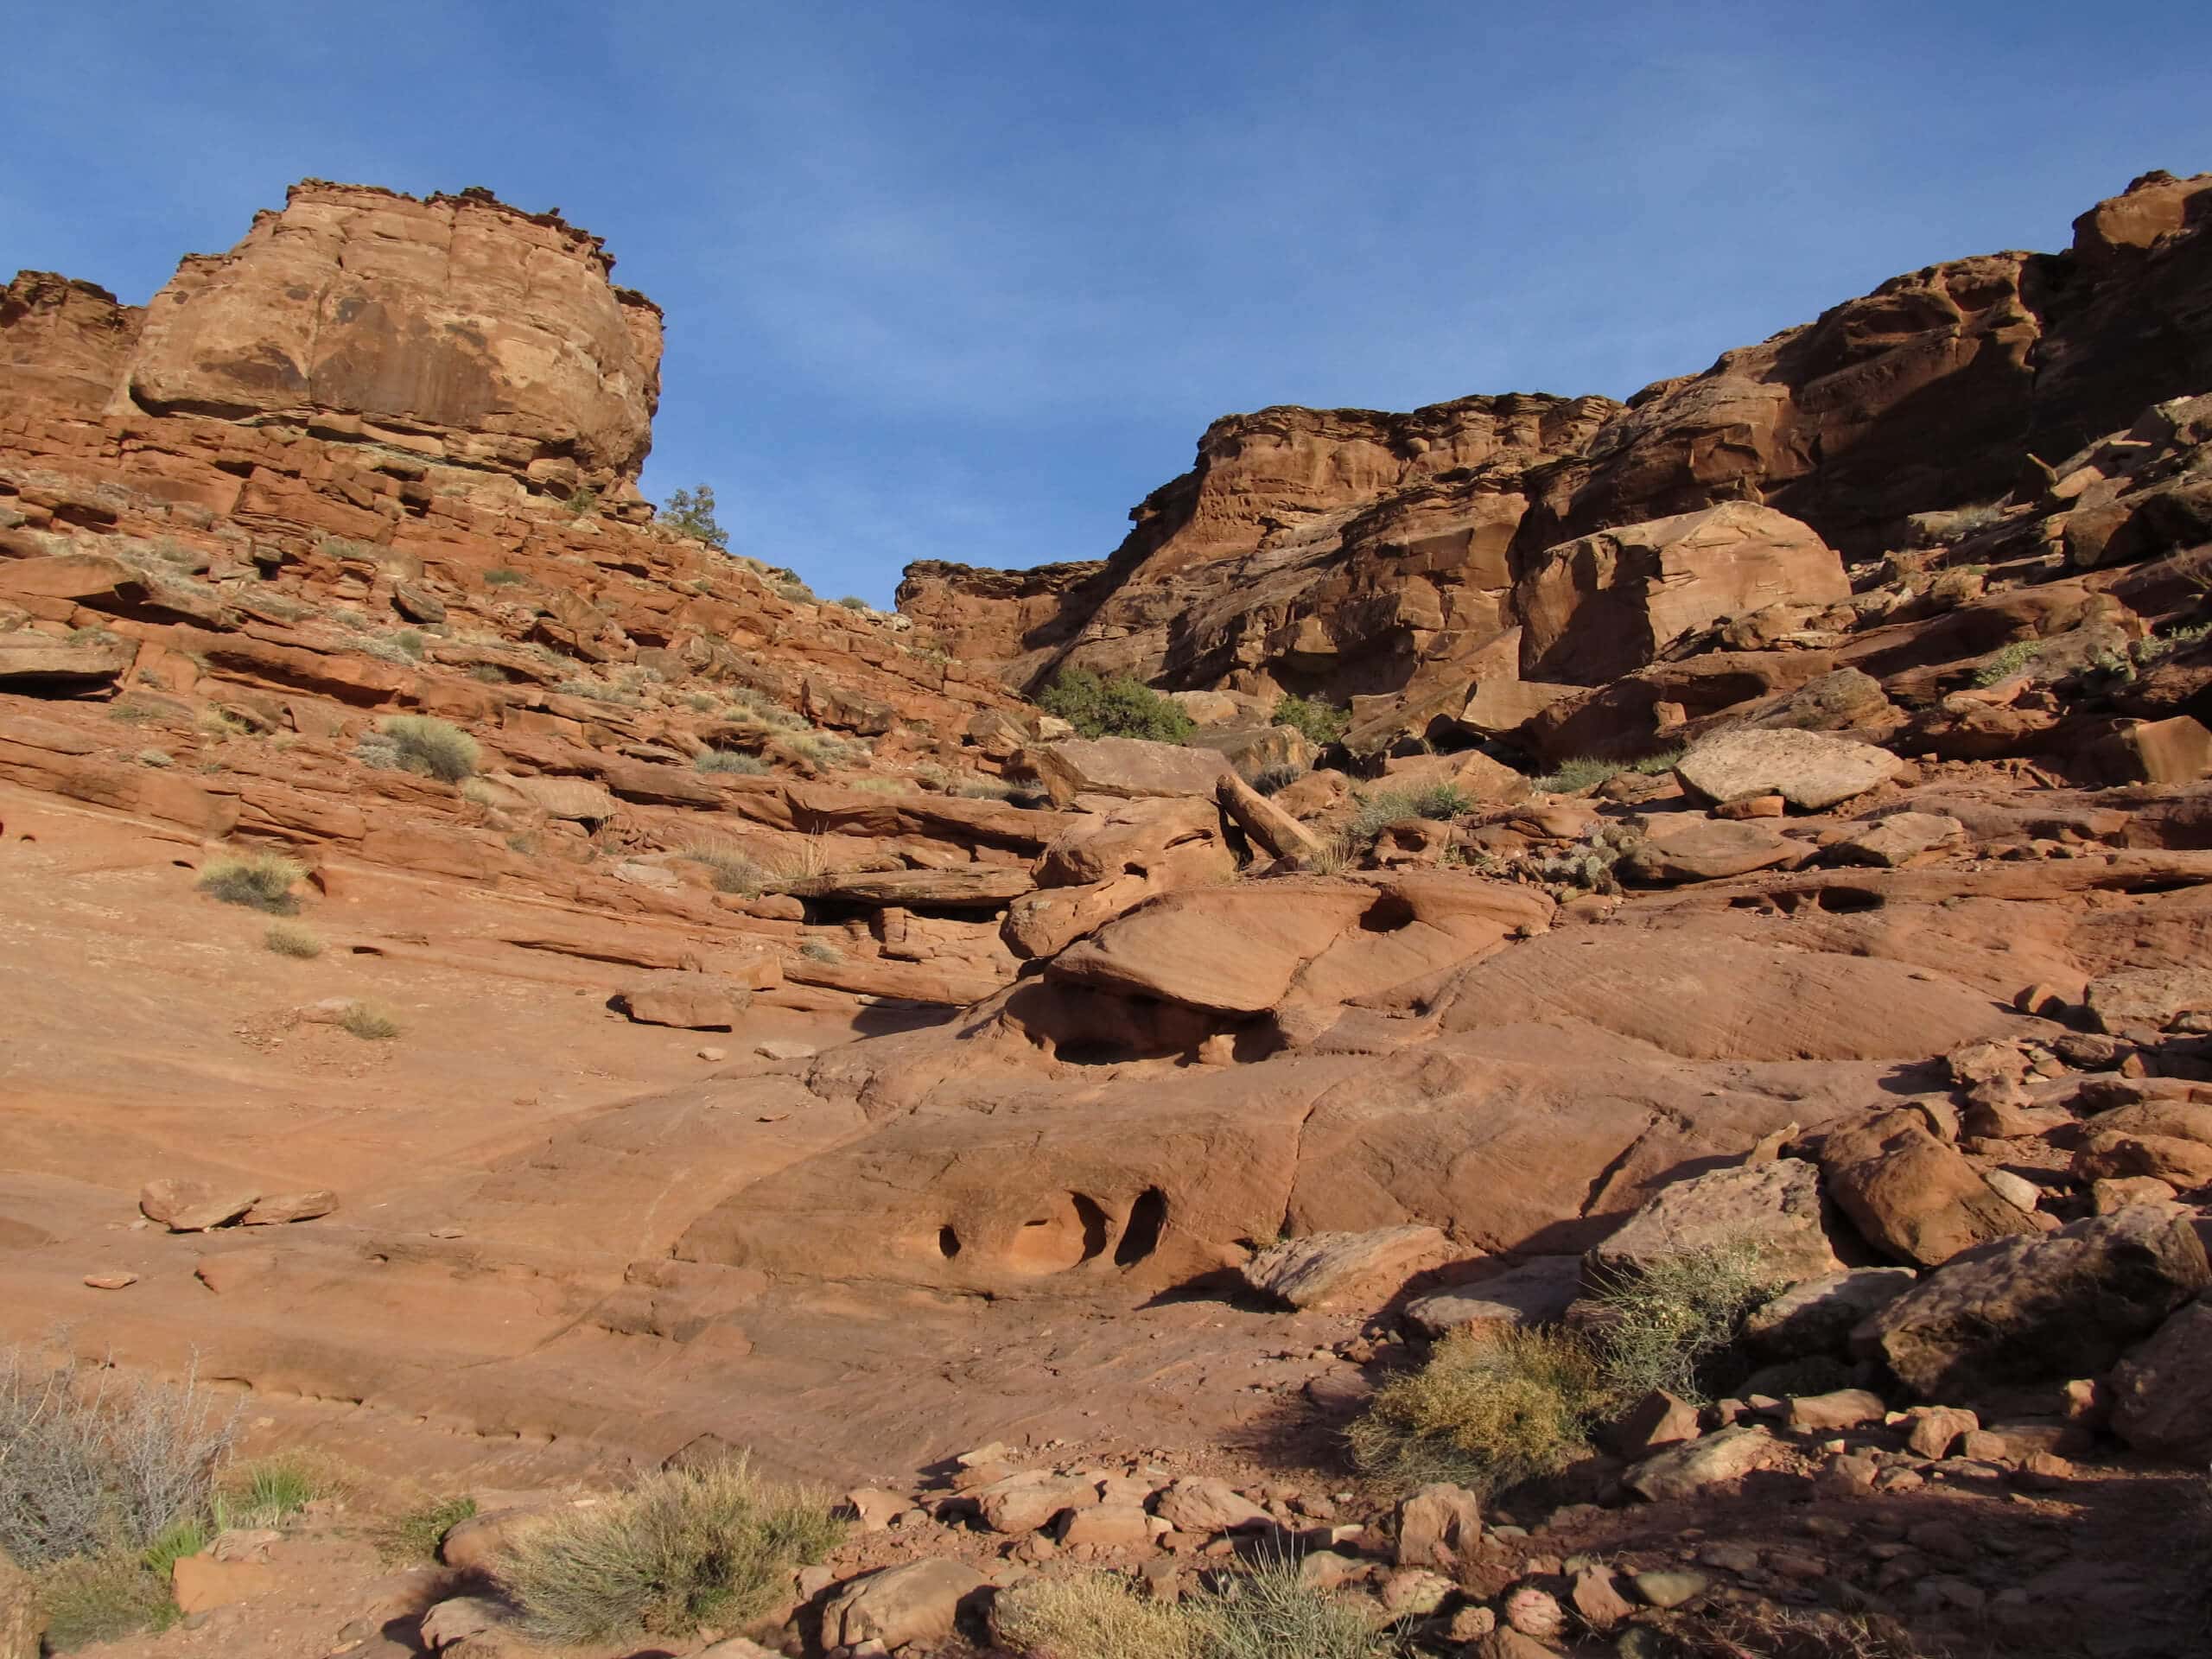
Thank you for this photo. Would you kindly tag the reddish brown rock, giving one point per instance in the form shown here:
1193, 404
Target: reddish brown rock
1911, 1195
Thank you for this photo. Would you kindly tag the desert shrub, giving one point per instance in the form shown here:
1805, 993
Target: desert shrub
821, 749
1378, 809
1582, 773
683, 1548
1093, 1616
369, 1022
818, 950
597, 692
414, 1534
691, 512
1487, 1411
1120, 707
433, 747
102, 1597
1332, 857
1321, 720
1270, 780
746, 704
2004, 664
731, 760
291, 939
583, 500
854, 602
214, 722
132, 713
404, 646
501, 576
160, 759
1266, 1613
258, 880
792, 588
89, 1464
730, 870
1675, 1325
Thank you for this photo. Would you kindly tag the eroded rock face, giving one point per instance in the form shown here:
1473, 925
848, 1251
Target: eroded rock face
455, 324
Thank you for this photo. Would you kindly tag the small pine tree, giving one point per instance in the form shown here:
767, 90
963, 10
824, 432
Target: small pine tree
691, 512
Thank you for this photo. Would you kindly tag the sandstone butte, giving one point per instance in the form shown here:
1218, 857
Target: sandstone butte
680, 1014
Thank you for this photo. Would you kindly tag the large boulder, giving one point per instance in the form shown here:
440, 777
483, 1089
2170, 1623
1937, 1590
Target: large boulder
1127, 766
1233, 950
1598, 607
2034, 1308
1689, 847
920, 1602
687, 1001
2162, 1392
1811, 770
495, 329
1911, 1195
1773, 1208
1537, 1292
1106, 864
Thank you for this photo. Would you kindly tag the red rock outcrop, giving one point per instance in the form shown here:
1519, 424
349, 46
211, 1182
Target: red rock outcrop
1360, 555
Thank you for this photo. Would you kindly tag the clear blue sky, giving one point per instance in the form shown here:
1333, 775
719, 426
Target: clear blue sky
966, 281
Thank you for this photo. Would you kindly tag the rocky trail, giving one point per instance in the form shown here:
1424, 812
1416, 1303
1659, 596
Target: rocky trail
657, 1012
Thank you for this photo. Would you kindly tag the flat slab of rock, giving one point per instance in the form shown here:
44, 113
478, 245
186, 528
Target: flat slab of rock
1687, 848
1773, 1207
285, 1207
1125, 766
1687, 1470
2149, 999
29, 660
975, 886
1810, 770
577, 800
1323, 1269
1537, 1291
1899, 839
1818, 1316
2040, 1307
194, 1206
686, 1001
1202, 1506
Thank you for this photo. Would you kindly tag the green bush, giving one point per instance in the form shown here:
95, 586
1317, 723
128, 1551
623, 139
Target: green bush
1676, 1324
258, 880
1321, 720
1271, 781
691, 512
269, 1492
682, 1549
1585, 771
582, 501
731, 760
1377, 810
730, 870
1487, 1411
854, 602
1120, 707
2003, 664
434, 748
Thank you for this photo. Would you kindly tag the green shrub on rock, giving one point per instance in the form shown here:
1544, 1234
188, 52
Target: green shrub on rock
1120, 707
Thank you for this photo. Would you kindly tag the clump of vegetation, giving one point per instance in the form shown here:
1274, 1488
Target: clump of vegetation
1589, 866
1321, 720
854, 602
1270, 780
369, 1022
1585, 771
732, 760
1120, 707
820, 749
414, 1534
1266, 1613
291, 939
820, 950
682, 1549
582, 501
730, 870
160, 759
269, 1492
1677, 1325
691, 512
597, 692
792, 588
1378, 809
258, 880
757, 707
502, 576
1487, 1412
104, 1483
2002, 664
1763, 1630
430, 746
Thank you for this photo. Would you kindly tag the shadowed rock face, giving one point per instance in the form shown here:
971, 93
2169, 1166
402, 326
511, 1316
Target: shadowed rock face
1356, 553
490, 335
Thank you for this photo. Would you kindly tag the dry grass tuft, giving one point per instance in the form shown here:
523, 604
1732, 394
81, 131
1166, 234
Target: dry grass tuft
369, 1022
258, 880
1764, 1631
291, 939
435, 748
1487, 1411
682, 1549
1268, 1613
1676, 1326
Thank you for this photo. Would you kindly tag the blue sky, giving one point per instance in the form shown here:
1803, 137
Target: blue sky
966, 281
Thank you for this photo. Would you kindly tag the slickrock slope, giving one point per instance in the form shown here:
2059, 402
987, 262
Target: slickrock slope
1362, 555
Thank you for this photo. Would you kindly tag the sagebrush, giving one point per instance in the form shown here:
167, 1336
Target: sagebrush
258, 880
433, 747
683, 1548
1486, 1411
1676, 1323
